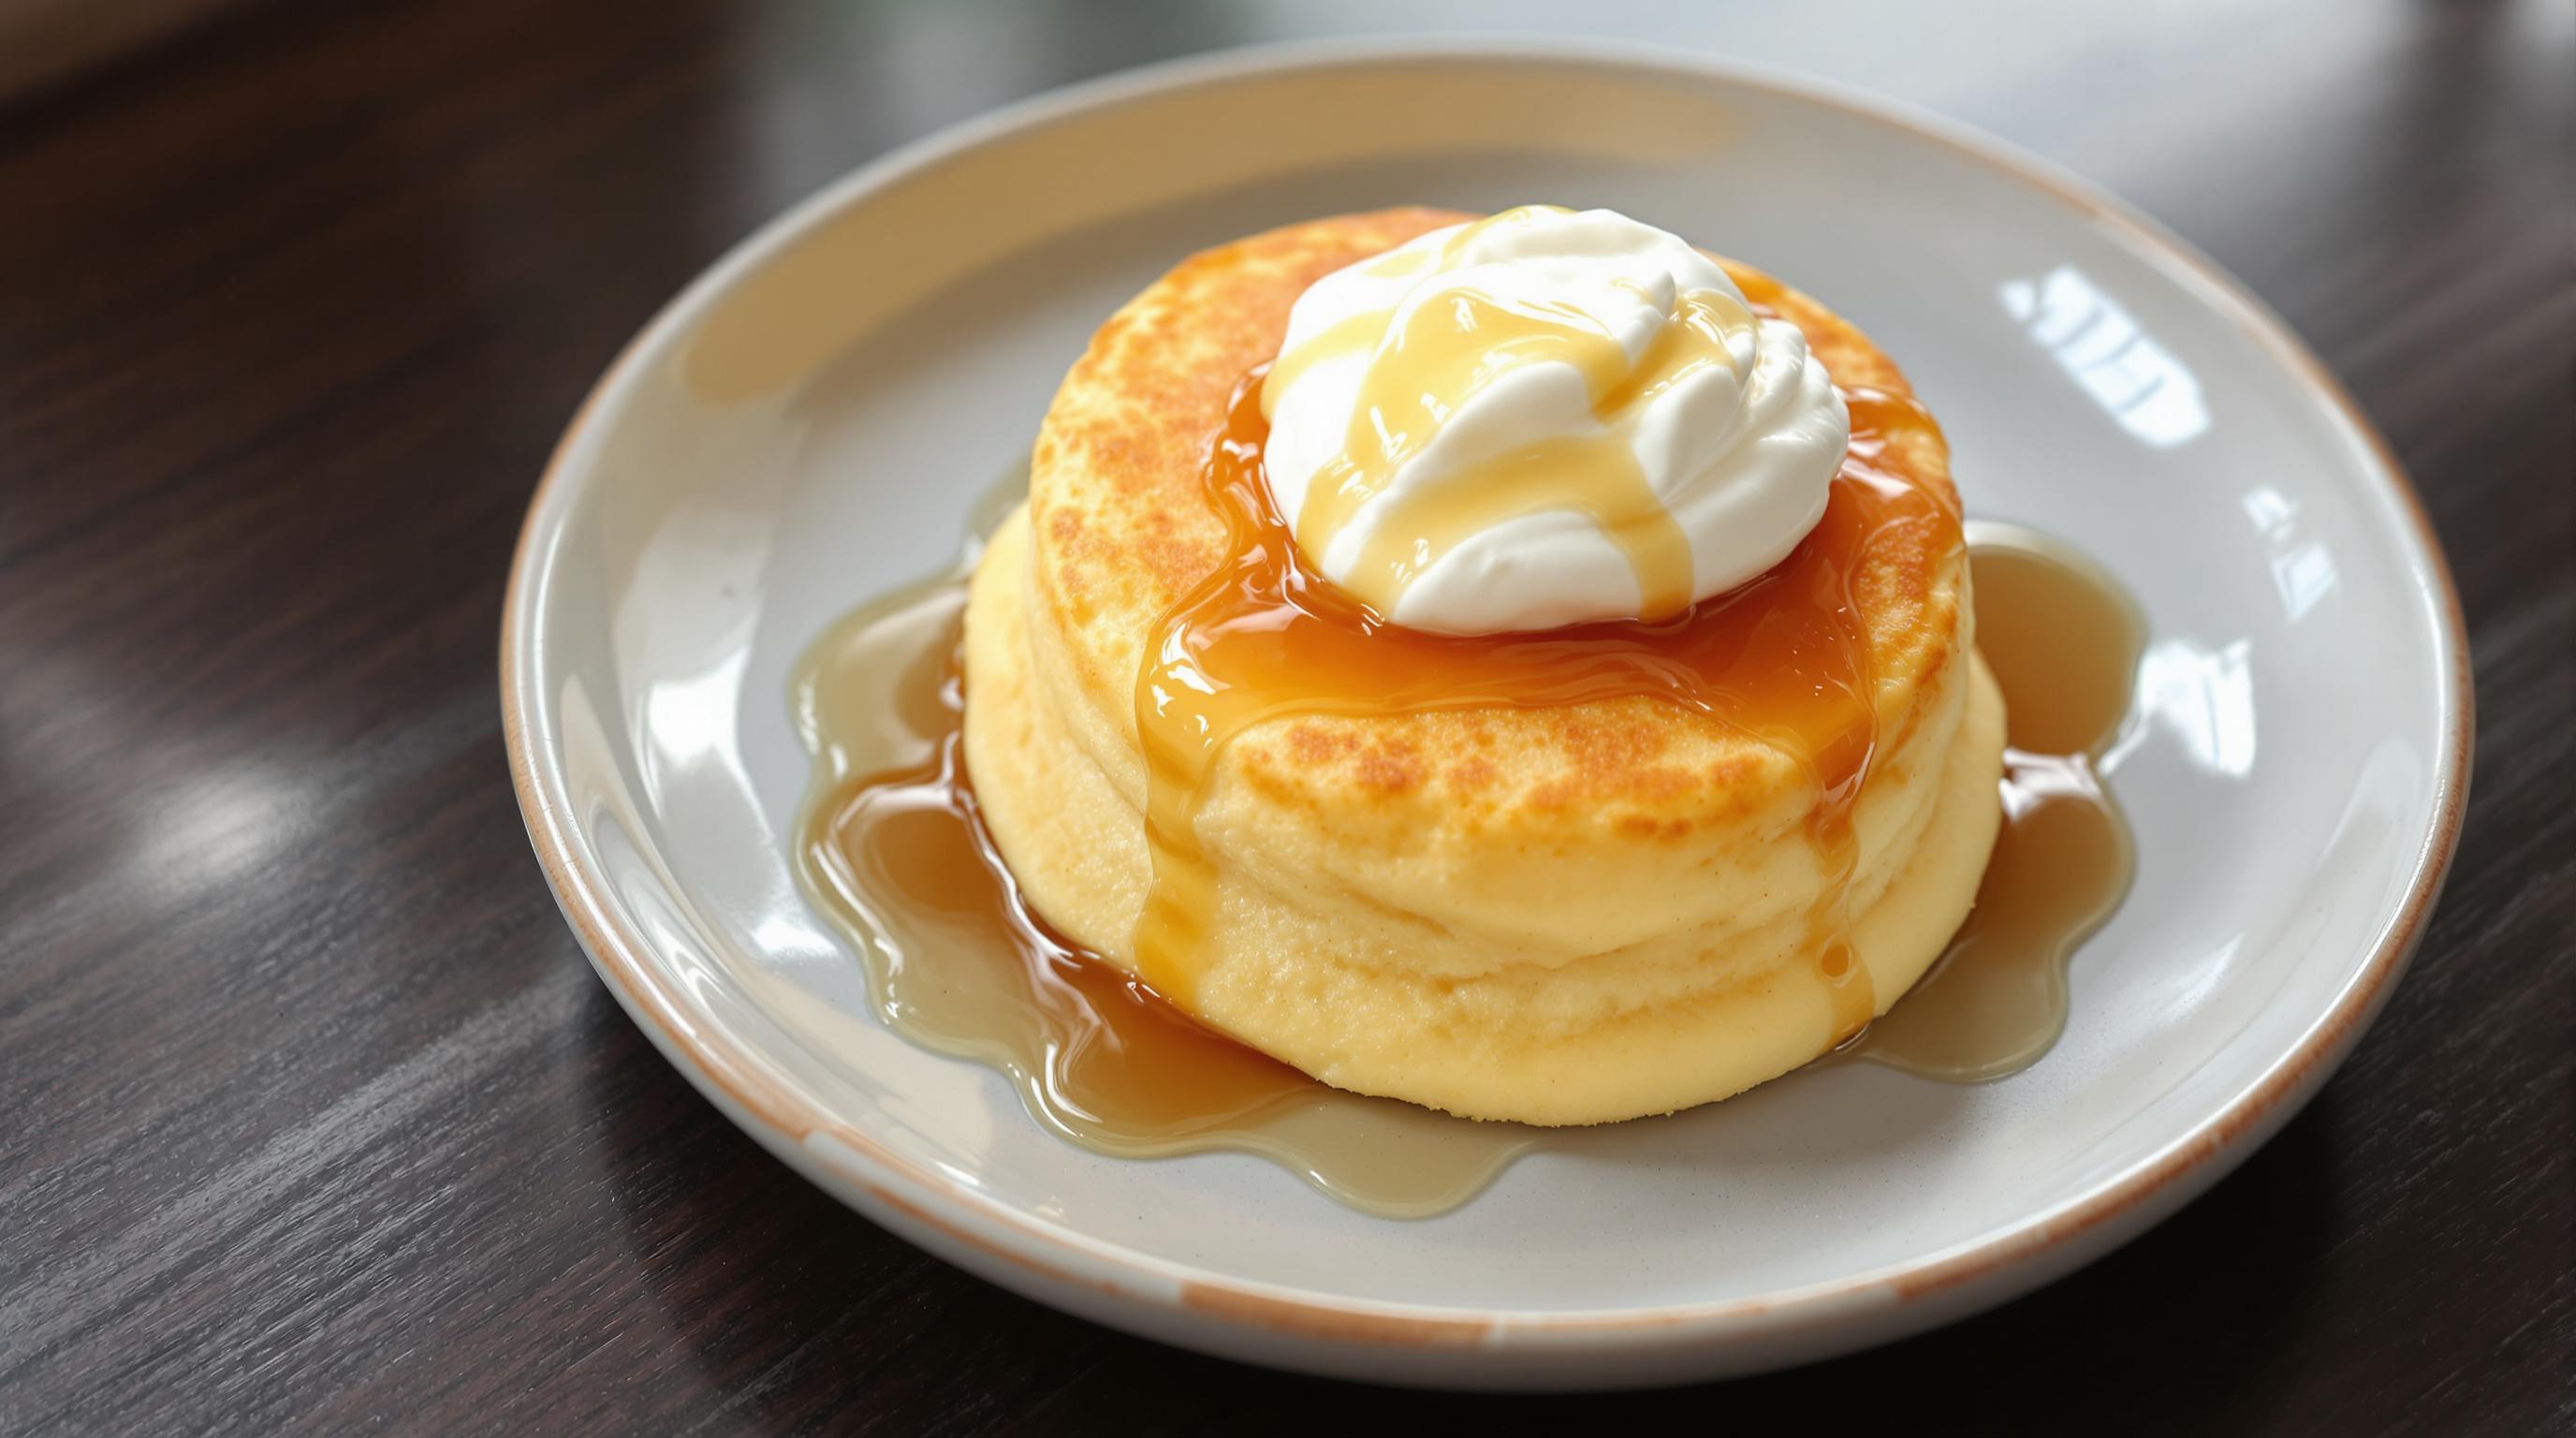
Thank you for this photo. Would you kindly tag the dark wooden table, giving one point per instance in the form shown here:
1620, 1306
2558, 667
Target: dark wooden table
315, 1117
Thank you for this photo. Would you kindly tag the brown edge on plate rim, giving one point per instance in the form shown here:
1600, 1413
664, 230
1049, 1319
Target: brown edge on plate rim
2289, 1081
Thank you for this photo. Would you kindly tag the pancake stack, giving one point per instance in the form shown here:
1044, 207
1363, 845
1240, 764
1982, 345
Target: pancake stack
1559, 914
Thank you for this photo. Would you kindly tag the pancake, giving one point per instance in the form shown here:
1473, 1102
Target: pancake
1558, 914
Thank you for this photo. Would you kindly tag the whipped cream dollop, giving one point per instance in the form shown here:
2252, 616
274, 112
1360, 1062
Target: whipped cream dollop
1544, 418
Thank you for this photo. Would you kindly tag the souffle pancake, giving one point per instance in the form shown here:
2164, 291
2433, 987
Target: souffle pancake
1469, 871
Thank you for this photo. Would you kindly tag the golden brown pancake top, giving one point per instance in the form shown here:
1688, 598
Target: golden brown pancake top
1124, 528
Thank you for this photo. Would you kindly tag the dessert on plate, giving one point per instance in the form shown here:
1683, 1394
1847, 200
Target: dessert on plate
1520, 665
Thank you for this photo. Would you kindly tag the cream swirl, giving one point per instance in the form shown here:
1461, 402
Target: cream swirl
1544, 418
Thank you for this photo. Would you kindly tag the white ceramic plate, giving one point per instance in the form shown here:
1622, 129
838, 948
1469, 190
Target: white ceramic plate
809, 423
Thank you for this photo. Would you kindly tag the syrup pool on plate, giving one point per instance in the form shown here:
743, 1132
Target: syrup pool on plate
889, 846
2064, 643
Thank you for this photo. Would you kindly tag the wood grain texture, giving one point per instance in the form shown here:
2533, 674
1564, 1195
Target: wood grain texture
317, 1121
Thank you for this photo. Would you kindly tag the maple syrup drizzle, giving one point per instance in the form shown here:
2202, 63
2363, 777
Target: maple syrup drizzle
891, 848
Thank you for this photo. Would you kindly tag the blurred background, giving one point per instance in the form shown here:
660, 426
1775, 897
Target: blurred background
316, 1118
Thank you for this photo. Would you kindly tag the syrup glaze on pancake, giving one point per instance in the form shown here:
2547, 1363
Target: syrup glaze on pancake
1781, 659
1797, 666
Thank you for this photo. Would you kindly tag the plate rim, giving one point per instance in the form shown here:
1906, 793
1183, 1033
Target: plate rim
995, 1239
